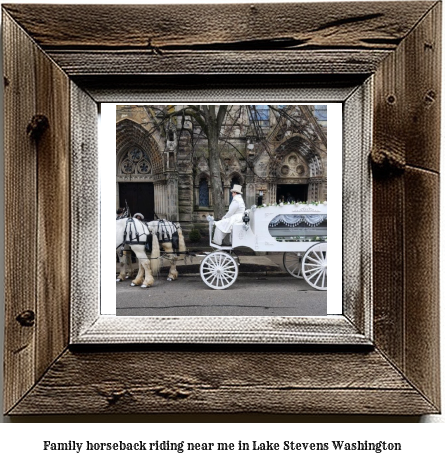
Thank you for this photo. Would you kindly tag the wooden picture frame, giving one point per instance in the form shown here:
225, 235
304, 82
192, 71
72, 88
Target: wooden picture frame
56, 72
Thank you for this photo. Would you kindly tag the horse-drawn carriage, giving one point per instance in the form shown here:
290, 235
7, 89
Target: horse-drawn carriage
298, 230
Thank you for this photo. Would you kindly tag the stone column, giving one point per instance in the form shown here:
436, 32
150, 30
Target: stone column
226, 196
172, 199
250, 195
157, 194
164, 199
196, 195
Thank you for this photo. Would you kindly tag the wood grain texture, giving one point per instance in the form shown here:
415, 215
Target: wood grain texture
222, 382
406, 206
357, 224
213, 330
20, 212
388, 272
408, 98
216, 87
84, 206
53, 213
423, 92
129, 63
342, 25
388, 201
422, 324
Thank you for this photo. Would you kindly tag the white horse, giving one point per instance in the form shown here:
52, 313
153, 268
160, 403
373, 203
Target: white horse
133, 234
170, 238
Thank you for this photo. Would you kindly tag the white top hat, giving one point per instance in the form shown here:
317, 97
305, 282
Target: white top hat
237, 188
140, 214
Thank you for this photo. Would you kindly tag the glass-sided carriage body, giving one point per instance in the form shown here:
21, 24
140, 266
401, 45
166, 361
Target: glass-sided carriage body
297, 230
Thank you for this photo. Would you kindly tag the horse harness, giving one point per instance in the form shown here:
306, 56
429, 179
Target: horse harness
165, 233
168, 233
132, 237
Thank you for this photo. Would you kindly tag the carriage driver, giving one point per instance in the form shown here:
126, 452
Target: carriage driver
234, 215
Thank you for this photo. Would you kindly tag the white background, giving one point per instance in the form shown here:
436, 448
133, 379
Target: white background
22, 442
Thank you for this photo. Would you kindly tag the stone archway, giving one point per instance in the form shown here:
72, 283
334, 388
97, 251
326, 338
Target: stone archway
139, 160
130, 134
300, 161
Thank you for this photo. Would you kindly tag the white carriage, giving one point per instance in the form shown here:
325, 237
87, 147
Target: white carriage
297, 230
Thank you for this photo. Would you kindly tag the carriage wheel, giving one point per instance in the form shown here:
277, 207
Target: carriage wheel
292, 263
315, 266
219, 270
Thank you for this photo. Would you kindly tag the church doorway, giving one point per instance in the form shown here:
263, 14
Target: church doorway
298, 192
140, 198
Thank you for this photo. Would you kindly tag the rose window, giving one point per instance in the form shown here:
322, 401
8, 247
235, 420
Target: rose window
135, 161
144, 167
127, 167
284, 170
135, 155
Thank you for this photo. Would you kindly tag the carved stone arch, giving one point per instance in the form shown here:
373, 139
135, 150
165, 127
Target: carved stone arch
202, 198
304, 147
235, 174
293, 165
202, 175
130, 134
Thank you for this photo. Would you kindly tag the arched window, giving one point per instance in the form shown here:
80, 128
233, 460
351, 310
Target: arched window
203, 193
135, 161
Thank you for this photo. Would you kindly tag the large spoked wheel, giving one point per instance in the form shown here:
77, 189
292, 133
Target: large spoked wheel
219, 270
292, 263
315, 266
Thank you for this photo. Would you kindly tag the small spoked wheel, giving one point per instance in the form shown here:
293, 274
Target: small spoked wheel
315, 266
219, 270
292, 263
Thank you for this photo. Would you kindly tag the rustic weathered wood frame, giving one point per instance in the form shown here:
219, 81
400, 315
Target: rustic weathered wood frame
66, 61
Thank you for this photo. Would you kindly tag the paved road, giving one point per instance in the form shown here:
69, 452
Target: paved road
248, 296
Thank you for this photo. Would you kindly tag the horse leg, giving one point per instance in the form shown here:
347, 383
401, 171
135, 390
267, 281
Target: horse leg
125, 265
149, 280
173, 272
121, 276
128, 264
140, 276
144, 268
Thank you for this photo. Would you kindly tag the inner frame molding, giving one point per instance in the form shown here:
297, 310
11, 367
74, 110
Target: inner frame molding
70, 70
88, 326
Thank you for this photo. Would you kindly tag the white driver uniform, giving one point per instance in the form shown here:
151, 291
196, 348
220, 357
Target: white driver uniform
233, 216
